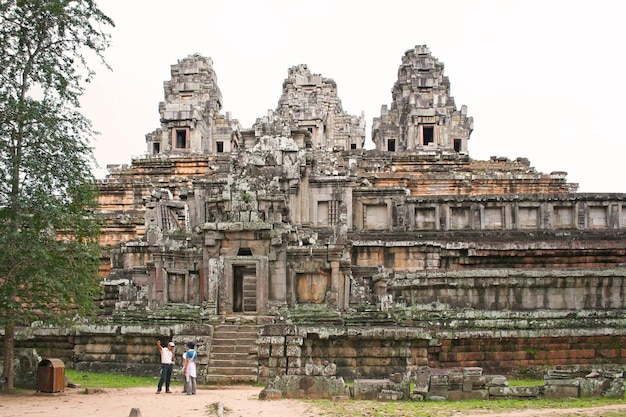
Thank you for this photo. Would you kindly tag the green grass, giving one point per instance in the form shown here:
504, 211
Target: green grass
525, 382
453, 408
93, 380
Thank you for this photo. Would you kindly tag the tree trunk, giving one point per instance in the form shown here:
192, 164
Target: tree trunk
9, 353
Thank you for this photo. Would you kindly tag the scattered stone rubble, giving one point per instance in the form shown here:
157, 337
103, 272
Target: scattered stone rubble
427, 384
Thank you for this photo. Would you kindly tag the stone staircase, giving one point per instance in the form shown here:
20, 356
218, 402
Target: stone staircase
233, 358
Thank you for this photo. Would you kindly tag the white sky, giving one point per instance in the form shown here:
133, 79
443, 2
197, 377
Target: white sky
543, 80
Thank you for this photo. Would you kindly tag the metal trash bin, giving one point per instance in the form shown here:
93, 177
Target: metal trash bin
51, 375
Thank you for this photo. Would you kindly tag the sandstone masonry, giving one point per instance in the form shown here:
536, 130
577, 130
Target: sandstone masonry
378, 261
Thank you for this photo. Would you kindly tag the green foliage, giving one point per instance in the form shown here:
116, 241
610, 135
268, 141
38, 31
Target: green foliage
48, 231
48, 251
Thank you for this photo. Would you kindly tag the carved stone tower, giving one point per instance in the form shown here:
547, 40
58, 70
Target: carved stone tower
190, 119
423, 115
310, 102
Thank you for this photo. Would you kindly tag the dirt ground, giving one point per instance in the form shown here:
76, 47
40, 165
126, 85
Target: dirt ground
238, 401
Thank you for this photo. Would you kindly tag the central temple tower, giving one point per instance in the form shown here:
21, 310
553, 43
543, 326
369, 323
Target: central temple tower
423, 116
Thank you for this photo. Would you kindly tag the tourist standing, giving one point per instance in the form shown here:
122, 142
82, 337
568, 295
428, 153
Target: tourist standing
183, 371
189, 368
167, 365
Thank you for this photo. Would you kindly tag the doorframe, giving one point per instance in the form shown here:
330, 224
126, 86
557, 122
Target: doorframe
260, 263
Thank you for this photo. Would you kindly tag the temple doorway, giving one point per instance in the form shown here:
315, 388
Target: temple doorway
244, 289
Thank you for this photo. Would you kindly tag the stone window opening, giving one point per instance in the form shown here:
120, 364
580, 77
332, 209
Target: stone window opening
391, 145
156, 148
244, 252
176, 287
457, 145
353, 146
460, 218
428, 135
375, 216
174, 217
598, 217
180, 138
220, 146
426, 218
333, 212
564, 217
328, 212
493, 218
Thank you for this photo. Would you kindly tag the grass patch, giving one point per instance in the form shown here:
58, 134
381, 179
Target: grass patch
525, 382
451, 408
94, 380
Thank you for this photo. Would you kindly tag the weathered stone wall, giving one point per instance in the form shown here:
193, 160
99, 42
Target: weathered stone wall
368, 357
115, 348
512, 289
512, 354
355, 352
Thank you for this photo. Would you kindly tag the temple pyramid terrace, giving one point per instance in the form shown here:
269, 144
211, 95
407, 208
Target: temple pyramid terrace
288, 246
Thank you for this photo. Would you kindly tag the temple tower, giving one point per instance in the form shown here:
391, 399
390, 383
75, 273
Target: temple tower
423, 116
190, 118
309, 101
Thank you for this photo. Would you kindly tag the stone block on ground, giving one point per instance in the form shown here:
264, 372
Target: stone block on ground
467, 395
270, 394
370, 389
307, 386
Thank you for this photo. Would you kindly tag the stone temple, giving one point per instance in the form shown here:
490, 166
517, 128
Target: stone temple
289, 243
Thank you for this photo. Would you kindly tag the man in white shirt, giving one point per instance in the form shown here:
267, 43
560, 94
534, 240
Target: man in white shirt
167, 365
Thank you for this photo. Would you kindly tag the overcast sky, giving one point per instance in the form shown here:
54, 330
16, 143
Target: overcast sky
543, 80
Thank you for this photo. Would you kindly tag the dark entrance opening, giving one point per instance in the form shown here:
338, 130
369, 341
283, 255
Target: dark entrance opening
457, 145
244, 252
244, 289
391, 145
181, 138
429, 134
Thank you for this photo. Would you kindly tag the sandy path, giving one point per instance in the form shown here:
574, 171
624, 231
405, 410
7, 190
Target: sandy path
238, 401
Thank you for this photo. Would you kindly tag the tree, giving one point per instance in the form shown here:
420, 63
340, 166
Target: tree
48, 230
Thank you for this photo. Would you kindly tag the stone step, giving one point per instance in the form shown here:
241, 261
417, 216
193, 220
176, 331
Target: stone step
236, 327
233, 342
233, 357
235, 335
222, 361
233, 363
234, 349
228, 328
234, 370
216, 379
